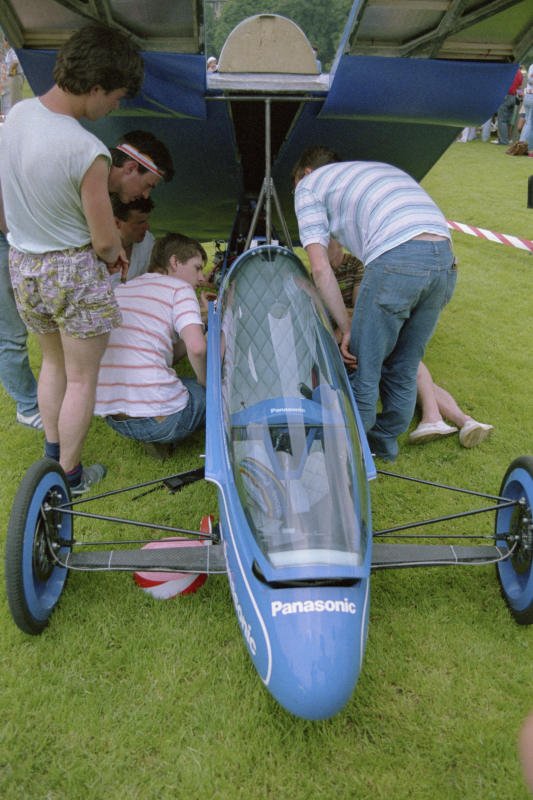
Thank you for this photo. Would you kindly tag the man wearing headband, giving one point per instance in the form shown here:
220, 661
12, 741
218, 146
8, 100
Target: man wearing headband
139, 162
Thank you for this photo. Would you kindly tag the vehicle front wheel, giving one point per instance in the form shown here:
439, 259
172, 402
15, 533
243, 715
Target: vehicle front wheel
38, 534
514, 573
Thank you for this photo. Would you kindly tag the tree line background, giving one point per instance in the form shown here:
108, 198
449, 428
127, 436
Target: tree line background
322, 23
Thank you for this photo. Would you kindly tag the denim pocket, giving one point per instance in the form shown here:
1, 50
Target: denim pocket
450, 284
400, 289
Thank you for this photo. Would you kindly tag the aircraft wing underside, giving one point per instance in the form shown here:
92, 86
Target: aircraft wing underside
407, 76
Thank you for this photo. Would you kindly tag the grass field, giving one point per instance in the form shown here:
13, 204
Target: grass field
124, 696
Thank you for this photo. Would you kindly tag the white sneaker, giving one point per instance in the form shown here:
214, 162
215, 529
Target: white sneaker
473, 433
30, 420
427, 431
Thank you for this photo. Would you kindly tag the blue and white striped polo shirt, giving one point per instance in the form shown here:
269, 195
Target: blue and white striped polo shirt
367, 206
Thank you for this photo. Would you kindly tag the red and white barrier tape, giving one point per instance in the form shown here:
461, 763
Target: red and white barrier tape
513, 241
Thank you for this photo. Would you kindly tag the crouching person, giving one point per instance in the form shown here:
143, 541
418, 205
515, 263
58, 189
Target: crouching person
139, 393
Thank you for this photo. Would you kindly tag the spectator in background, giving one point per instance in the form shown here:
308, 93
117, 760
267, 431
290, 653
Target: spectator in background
15, 78
137, 241
318, 61
507, 110
212, 65
526, 134
4, 90
468, 134
15, 373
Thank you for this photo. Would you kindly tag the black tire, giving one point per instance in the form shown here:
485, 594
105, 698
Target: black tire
34, 581
515, 573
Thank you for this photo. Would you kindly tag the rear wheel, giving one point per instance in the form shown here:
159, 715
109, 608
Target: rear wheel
37, 535
515, 573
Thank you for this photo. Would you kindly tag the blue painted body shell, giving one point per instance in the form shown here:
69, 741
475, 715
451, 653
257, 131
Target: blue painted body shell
286, 450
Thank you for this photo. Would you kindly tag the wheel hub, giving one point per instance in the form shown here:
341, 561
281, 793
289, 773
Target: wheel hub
521, 533
46, 540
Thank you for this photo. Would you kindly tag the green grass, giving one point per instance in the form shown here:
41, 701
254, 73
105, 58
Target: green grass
127, 697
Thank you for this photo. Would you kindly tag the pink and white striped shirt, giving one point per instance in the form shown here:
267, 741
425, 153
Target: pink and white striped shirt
136, 375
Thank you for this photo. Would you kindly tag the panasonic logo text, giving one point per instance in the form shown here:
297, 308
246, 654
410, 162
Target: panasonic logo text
245, 626
308, 606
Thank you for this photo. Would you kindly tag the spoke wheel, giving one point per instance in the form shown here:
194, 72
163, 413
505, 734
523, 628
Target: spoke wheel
38, 533
515, 574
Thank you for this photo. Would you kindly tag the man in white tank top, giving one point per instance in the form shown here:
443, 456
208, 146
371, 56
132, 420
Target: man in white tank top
54, 180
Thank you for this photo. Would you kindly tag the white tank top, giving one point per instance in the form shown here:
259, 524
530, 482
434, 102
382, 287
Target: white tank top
43, 159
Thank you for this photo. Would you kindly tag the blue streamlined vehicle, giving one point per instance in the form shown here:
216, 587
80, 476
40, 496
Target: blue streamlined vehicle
284, 442
292, 465
292, 468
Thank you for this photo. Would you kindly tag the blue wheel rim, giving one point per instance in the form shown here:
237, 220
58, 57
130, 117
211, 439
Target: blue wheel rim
42, 595
518, 586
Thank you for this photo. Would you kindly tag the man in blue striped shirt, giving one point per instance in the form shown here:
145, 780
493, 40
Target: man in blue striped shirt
382, 216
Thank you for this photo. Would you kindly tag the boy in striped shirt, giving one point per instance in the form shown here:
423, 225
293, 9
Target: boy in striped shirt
382, 216
139, 393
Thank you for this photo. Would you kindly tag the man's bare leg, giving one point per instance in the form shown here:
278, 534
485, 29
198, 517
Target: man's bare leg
427, 398
525, 745
431, 425
52, 383
437, 405
448, 407
82, 361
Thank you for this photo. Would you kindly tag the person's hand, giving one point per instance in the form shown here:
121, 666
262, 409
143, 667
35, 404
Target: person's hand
121, 265
349, 359
206, 298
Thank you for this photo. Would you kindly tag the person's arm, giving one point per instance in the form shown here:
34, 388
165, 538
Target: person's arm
335, 253
328, 288
96, 204
196, 344
179, 351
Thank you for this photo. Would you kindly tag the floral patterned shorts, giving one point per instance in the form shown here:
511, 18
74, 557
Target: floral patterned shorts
66, 290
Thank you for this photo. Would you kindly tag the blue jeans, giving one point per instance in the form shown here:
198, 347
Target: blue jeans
401, 296
527, 131
15, 373
174, 427
505, 116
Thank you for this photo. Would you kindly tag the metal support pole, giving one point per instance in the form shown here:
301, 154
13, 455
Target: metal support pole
268, 191
268, 173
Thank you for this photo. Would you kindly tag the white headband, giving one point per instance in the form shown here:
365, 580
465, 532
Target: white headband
141, 158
